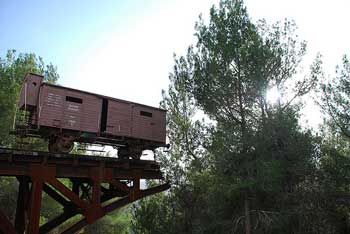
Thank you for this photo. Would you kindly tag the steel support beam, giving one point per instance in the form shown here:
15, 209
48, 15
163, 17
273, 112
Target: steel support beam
47, 227
35, 206
117, 204
22, 202
42, 171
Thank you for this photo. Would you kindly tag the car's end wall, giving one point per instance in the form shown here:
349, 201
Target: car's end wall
30, 91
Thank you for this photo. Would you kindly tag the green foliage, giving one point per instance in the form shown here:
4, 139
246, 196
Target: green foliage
154, 216
237, 163
335, 99
8, 196
116, 223
12, 71
258, 148
334, 177
253, 169
186, 165
187, 136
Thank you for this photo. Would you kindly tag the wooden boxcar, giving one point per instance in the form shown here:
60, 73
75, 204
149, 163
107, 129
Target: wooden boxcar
63, 116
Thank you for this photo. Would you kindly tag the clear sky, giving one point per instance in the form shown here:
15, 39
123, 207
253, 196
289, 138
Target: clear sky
125, 48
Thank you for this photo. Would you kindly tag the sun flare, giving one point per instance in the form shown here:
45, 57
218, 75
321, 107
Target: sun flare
272, 95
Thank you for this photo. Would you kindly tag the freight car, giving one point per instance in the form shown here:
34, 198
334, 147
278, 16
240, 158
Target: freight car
64, 115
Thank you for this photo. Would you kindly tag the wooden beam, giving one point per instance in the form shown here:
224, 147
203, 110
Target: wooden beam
44, 169
35, 206
117, 204
119, 185
76, 227
55, 195
47, 227
67, 193
22, 200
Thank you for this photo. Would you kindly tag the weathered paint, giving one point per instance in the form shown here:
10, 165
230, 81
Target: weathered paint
56, 111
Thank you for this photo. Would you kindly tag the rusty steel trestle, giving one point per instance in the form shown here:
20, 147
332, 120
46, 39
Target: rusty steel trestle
99, 185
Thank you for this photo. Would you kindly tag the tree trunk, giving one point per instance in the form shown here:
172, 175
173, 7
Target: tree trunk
244, 149
247, 216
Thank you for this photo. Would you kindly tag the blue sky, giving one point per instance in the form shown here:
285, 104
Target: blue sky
122, 49
125, 48
60, 30
60, 26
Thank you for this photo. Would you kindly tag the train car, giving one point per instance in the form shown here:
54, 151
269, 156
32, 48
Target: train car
64, 115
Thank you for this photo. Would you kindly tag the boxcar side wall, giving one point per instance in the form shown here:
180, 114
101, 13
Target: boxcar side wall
148, 123
119, 118
67, 109
136, 121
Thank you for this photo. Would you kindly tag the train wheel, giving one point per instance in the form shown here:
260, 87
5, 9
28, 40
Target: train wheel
136, 152
123, 153
65, 146
52, 145
60, 145
126, 152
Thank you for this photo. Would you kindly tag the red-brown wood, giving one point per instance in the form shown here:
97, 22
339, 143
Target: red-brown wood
22, 200
119, 118
67, 193
56, 111
63, 115
35, 206
30, 91
148, 127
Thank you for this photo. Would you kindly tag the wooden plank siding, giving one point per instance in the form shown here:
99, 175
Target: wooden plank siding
119, 118
56, 111
70, 109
